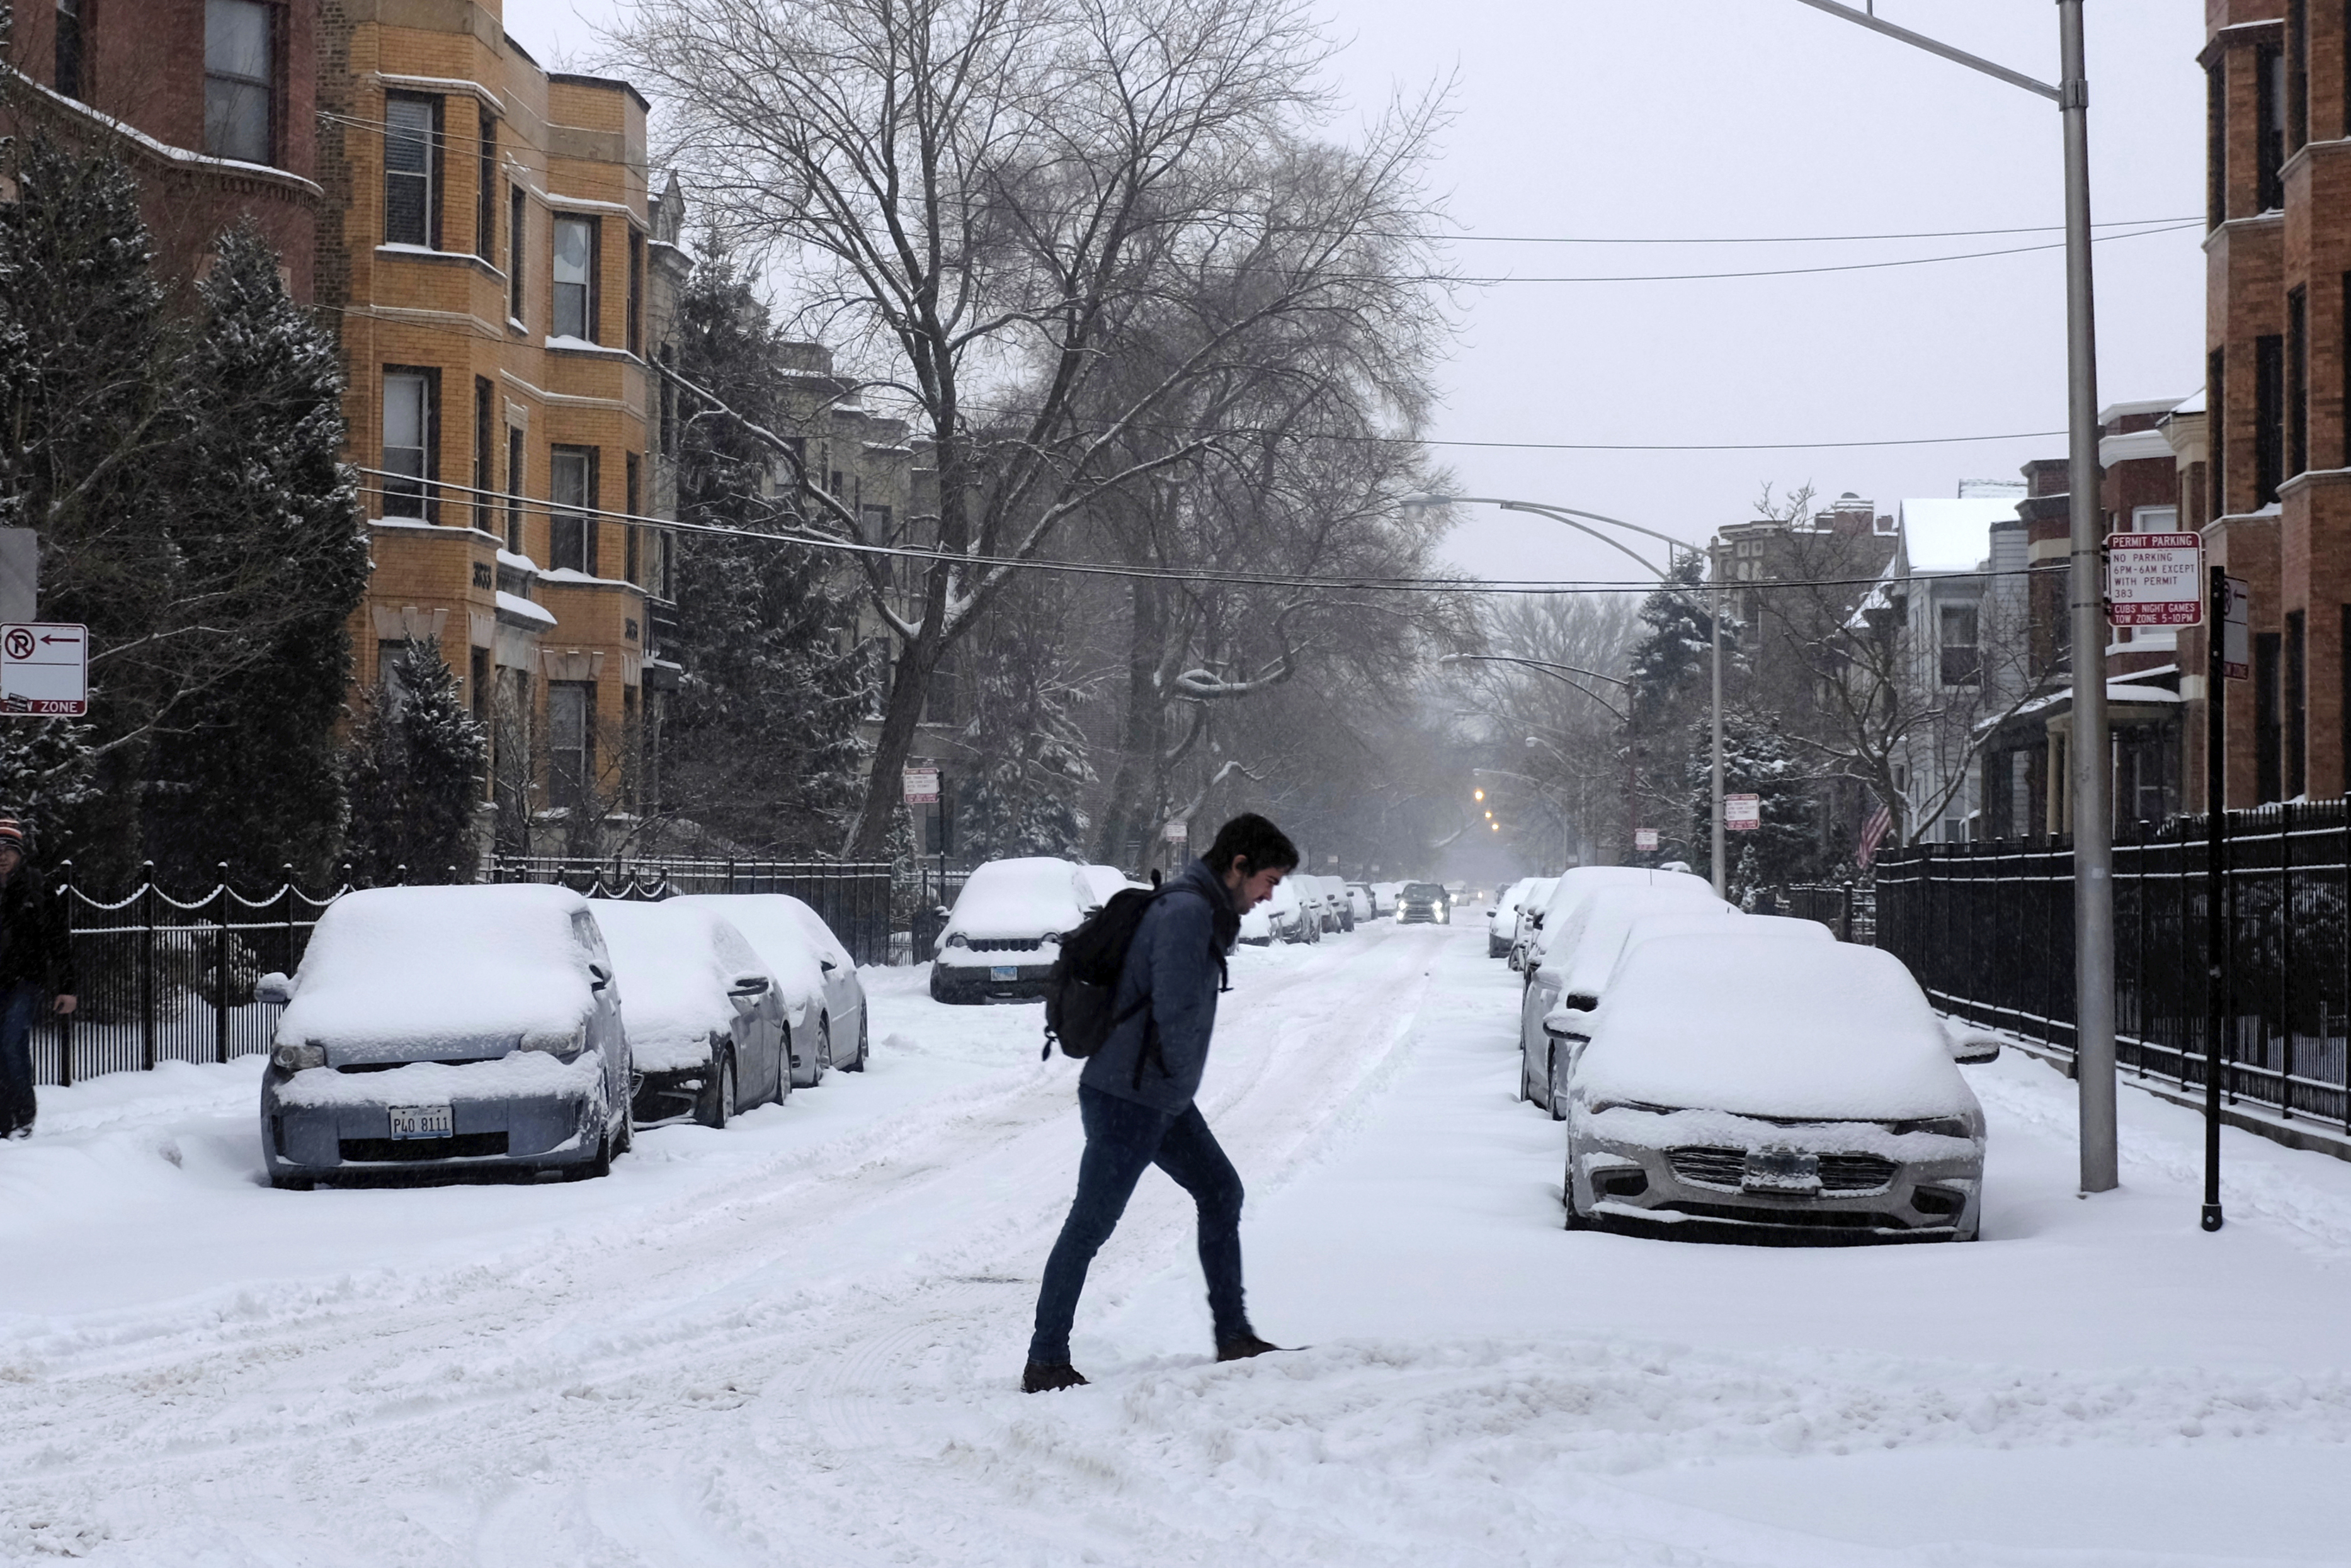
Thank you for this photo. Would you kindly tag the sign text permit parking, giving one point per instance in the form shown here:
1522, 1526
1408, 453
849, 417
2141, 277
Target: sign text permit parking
2155, 579
44, 669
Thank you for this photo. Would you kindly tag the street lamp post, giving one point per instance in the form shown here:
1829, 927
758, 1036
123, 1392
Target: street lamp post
2094, 827
1561, 673
1569, 515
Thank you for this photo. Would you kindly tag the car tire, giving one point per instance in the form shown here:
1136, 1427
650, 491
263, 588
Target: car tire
1553, 1100
716, 1108
602, 1165
1575, 1222
626, 1138
292, 1184
857, 1064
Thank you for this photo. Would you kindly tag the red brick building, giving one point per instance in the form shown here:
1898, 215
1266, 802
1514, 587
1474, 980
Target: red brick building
211, 103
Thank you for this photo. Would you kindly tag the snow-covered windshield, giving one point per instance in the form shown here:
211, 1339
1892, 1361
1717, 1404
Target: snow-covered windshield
1573, 887
1423, 893
1596, 936
1103, 882
420, 966
1021, 898
1762, 1025
675, 962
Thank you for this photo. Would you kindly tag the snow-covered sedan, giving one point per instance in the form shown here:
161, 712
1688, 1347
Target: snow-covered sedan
1289, 915
1766, 1089
1605, 909
446, 1031
823, 1000
1360, 900
1526, 920
1502, 916
705, 1019
1006, 930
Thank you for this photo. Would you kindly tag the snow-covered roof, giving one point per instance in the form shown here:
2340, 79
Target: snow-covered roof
1940, 536
522, 608
1023, 897
2134, 446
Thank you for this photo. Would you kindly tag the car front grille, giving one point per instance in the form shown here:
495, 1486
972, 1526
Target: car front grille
1709, 1167
1002, 943
465, 1145
1857, 1172
1727, 1168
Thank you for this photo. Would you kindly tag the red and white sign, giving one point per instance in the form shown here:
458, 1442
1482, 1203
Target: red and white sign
922, 786
2155, 579
44, 669
2237, 633
1742, 812
1178, 831
1644, 838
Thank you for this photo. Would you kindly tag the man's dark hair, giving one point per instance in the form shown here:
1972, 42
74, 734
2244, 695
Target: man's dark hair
1256, 841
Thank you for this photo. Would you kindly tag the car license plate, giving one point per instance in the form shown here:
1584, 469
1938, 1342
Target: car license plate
421, 1121
1783, 1171
1004, 972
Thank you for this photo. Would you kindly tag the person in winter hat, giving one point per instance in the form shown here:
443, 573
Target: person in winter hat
1136, 1096
35, 971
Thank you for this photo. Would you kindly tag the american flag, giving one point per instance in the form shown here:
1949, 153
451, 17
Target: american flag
1873, 833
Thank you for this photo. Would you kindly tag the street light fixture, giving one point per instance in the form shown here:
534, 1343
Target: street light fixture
2094, 827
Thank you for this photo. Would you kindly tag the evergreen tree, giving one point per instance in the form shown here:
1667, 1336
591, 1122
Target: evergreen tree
1759, 759
760, 739
1669, 671
1031, 769
249, 773
415, 767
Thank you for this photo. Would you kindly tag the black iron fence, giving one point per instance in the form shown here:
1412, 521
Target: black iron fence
1988, 928
853, 896
1848, 910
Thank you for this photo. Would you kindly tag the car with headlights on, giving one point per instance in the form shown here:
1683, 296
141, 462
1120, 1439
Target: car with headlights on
706, 1015
446, 1033
823, 1000
1424, 904
1006, 929
1748, 1088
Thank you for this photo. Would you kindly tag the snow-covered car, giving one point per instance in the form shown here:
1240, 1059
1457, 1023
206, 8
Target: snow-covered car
1602, 912
1574, 885
446, 1031
705, 1022
1289, 915
1257, 927
1359, 900
1006, 930
1525, 919
1773, 1090
1424, 904
1618, 926
1502, 916
823, 1000
1342, 915
1106, 882
1383, 897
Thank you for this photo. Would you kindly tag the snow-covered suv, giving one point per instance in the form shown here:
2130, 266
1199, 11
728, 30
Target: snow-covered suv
1006, 927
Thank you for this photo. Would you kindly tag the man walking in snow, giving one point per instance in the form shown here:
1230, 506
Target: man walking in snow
35, 968
1136, 1096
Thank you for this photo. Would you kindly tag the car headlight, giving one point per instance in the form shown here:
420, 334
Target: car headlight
294, 1058
1941, 1126
957, 939
1050, 937
562, 1047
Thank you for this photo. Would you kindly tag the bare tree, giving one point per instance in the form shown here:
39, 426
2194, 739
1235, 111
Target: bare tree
976, 195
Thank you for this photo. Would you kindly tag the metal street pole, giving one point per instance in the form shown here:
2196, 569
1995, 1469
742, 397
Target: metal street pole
2093, 784
1714, 609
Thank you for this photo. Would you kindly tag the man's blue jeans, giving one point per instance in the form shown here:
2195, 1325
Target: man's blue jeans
1122, 1139
20, 1006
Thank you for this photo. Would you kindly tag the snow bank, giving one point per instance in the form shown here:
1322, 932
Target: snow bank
443, 970
1021, 898
1763, 1025
675, 963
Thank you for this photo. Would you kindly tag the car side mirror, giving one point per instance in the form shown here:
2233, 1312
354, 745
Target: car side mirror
1975, 1049
274, 988
942, 911
827, 965
1580, 1002
752, 985
598, 976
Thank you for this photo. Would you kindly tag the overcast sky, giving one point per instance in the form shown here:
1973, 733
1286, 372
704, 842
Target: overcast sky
1675, 120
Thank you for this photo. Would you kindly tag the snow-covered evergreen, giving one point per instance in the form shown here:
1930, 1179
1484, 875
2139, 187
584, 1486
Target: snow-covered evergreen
416, 766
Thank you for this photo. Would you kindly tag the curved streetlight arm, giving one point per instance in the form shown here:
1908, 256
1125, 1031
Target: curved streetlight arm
1551, 670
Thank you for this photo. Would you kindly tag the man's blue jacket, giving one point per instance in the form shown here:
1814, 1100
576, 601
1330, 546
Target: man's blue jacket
1174, 970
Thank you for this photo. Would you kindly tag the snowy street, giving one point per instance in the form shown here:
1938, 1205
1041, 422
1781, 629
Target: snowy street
799, 1340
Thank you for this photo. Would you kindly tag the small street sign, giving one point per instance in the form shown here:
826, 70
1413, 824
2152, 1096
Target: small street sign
1743, 811
922, 786
2237, 633
44, 669
1177, 831
2155, 579
1645, 839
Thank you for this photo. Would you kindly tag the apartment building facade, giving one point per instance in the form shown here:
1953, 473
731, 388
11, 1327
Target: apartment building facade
211, 104
506, 275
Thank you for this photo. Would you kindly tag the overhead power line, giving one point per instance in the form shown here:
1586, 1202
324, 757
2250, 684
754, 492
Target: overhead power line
2149, 224
1803, 271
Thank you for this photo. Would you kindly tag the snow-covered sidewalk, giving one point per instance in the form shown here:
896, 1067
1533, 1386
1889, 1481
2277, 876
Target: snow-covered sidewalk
799, 1341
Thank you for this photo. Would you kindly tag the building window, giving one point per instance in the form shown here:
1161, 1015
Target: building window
575, 279
2216, 143
485, 192
485, 435
2297, 380
2270, 193
633, 467
237, 57
410, 416
2298, 74
515, 214
1962, 663
2269, 418
572, 494
2154, 520
412, 169
2268, 731
514, 488
570, 741
69, 57
636, 292
2216, 398
2297, 700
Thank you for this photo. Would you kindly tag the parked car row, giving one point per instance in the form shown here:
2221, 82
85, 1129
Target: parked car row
1736, 1076
449, 1030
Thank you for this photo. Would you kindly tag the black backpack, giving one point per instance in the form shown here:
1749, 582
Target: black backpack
1082, 986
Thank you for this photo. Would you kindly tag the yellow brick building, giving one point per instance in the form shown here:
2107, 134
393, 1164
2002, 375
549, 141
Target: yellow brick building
504, 275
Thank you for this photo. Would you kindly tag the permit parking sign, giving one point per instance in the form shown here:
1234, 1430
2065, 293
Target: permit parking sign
922, 786
44, 669
2155, 579
1645, 839
1743, 811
